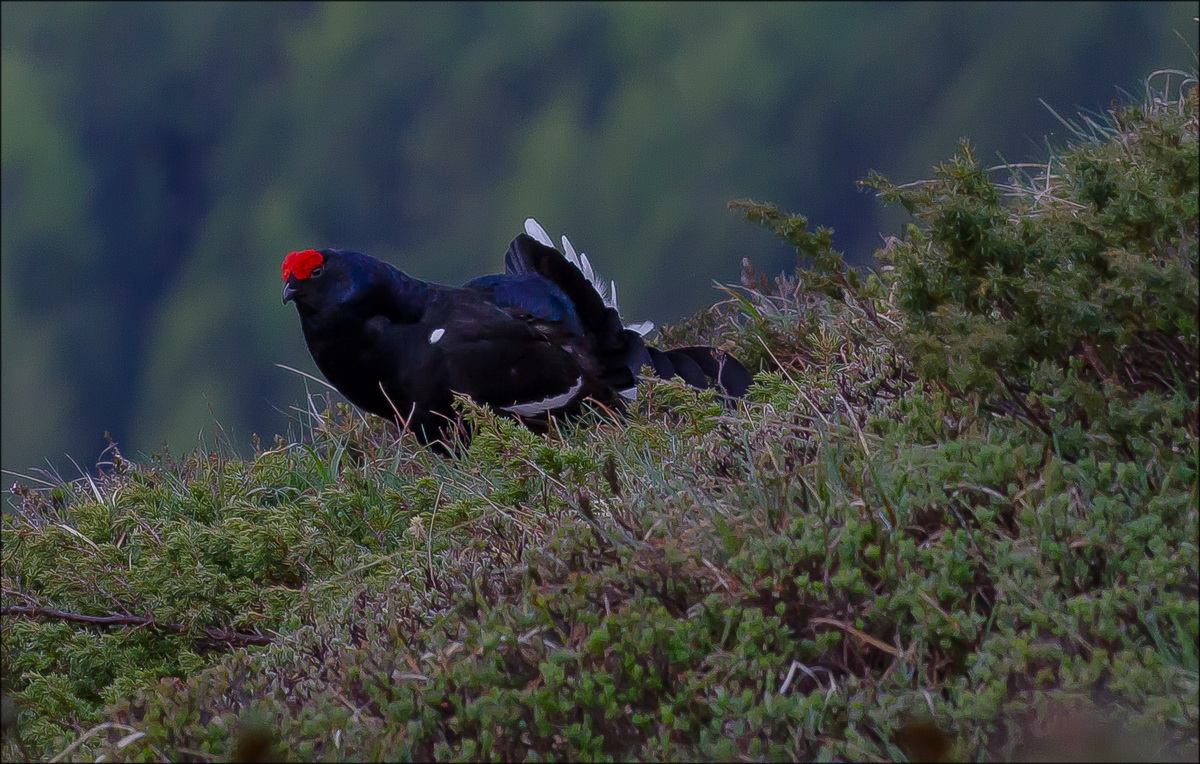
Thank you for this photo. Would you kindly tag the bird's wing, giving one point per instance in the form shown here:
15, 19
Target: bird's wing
530, 297
496, 357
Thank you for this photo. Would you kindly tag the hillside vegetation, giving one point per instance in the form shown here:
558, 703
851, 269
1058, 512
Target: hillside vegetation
956, 518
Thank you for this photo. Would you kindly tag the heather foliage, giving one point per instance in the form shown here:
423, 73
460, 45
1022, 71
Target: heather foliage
956, 517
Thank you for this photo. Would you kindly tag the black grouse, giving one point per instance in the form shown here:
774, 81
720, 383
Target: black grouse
538, 340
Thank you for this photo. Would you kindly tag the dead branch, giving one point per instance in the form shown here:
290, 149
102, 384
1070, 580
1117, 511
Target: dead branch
231, 638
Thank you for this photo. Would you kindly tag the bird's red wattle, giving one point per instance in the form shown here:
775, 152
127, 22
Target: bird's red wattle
301, 264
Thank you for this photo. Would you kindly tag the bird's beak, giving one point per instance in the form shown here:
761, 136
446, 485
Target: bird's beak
289, 292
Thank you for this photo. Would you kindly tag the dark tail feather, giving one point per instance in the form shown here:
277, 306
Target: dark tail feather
728, 371
663, 368
668, 363
701, 367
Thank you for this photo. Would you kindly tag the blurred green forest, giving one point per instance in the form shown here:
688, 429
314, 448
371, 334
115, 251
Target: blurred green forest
160, 159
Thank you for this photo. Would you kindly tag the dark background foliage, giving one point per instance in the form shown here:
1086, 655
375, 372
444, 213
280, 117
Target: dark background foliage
159, 159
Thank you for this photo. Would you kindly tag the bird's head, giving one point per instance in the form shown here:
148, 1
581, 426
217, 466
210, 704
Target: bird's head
350, 285
315, 279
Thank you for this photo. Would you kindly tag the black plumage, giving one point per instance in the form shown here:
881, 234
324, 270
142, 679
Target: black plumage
538, 340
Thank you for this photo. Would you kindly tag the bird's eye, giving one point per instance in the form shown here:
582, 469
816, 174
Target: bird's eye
316, 272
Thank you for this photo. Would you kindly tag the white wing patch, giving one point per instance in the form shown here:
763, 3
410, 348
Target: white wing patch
436, 335
538, 407
607, 292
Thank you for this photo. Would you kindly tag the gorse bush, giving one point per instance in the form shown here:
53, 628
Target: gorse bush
956, 517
